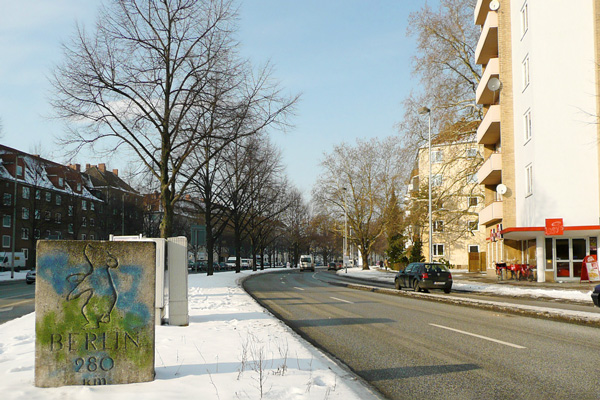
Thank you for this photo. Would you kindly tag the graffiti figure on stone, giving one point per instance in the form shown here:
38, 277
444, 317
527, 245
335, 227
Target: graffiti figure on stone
96, 286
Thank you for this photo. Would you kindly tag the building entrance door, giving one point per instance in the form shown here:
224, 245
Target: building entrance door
570, 253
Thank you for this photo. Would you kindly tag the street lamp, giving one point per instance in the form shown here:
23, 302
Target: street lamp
423, 111
345, 231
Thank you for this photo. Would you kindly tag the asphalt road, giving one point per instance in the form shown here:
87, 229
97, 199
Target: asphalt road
411, 348
16, 299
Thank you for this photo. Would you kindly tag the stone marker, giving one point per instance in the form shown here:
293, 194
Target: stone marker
94, 305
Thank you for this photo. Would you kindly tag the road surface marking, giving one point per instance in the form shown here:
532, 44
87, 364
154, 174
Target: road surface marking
16, 303
299, 288
6, 309
516, 346
345, 301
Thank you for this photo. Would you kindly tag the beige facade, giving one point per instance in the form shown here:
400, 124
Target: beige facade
539, 90
456, 201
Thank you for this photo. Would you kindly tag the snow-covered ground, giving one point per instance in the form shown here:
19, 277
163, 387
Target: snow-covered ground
232, 349
376, 274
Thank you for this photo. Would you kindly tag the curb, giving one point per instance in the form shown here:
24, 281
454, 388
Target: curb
573, 317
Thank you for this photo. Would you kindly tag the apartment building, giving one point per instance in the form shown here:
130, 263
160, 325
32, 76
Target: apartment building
456, 201
540, 132
41, 199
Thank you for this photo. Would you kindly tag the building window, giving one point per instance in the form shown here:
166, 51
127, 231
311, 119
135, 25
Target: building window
47, 234
91, 237
19, 170
58, 218
25, 253
38, 194
527, 125
7, 199
438, 250
70, 211
436, 180
79, 187
83, 205
58, 200
92, 207
6, 221
526, 72
472, 178
529, 179
92, 222
48, 197
438, 226
473, 201
524, 19
47, 216
6, 241
83, 237
83, 221
36, 234
25, 213
25, 192
58, 235
436, 156
24, 233
37, 214
70, 228
61, 182
473, 225
473, 248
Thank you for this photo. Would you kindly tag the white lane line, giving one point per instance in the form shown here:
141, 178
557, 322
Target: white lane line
299, 288
345, 301
6, 309
516, 346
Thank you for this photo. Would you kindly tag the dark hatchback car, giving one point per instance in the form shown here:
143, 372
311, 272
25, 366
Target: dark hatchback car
424, 277
30, 277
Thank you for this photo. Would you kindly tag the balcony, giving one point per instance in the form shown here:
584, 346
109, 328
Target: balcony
487, 46
485, 95
488, 131
491, 214
482, 9
490, 172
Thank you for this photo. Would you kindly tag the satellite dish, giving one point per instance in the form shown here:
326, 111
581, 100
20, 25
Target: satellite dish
494, 84
494, 5
501, 189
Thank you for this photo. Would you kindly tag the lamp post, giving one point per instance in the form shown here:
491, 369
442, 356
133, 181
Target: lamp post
423, 111
345, 231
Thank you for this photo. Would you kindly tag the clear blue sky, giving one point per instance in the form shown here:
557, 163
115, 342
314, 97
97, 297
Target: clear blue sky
350, 60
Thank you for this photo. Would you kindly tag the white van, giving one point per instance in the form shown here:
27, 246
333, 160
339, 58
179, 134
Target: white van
307, 263
6, 258
230, 264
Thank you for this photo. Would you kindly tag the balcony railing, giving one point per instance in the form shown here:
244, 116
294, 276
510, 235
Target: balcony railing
490, 172
487, 46
488, 131
484, 95
491, 214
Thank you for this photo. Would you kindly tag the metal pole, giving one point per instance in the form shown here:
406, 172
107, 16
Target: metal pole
430, 226
14, 222
345, 232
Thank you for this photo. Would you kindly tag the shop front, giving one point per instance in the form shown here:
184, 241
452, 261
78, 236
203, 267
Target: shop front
562, 251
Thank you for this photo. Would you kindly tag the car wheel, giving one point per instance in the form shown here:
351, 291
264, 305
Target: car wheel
417, 286
447, 290
397, 284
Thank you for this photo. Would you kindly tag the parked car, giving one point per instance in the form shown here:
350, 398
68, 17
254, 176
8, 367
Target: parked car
595, 295
30, 277
424, 277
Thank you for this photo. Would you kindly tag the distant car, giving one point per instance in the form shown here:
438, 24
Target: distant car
30, 277
333, 266
424, 277
595, 295
307, 263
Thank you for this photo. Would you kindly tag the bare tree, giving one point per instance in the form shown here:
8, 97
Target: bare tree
359, 180
295, 221
146, 78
